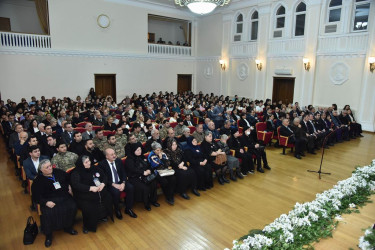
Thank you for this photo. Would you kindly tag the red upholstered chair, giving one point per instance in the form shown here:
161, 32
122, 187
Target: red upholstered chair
143, 144
118, 117
70, 170
192, 129
123, 194
80, 129
283, 141
262, 135
108, 132
146, 154
97, 127
196, 120
173, 124
240, 130
260, 116
81, 124
123, 160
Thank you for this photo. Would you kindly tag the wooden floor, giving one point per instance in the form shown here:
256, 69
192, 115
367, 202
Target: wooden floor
213, 220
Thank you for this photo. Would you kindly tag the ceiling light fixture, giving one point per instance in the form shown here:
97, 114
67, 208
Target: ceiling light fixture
201, 7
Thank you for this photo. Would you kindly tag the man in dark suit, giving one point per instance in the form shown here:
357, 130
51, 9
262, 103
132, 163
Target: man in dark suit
286, 131
14, 137
117, 182
311, 136
31, 164
77, 146
188, 121
67, 135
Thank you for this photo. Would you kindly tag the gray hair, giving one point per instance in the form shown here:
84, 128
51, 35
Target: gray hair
84, 158
153, 131
224, 136
41, 125
186, 129
42, 163
207, 133
296, 120
155, 145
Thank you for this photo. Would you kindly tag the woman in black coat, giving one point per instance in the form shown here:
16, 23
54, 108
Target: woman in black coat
138, 168
185, 175
91, 194
210, 149
198, 161
52, 191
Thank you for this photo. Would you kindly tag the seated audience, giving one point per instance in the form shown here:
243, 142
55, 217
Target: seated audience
64, 159
233, 162
31, 163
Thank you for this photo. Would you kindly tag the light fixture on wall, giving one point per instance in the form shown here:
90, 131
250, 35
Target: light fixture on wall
259, 64
222, 64
371, 61
306, 64
201, 7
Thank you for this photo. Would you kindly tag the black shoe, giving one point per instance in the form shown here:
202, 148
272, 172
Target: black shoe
239, 174
155, 204
298, 157
267, 167
147, 207
250, 172
185, 196
85, 230
233, 177
170, 201
118, 214
225, 179
194, 191
260, 170
71, 231
302, 154
130, 213
220, 180
48, 241
202, 189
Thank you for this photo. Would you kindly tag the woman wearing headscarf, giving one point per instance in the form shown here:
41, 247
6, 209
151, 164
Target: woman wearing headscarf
138, 169
185, 175
52, 191
159, 161
198, 162
91, 194
210, 149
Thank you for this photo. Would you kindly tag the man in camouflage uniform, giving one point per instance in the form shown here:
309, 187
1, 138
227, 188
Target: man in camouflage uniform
138, 133
116, 146
99, 139
198, 133
179, 129
164, 130
120, 137
64, 159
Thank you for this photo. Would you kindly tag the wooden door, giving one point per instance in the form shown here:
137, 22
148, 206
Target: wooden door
105, 85
5, 24
283, 89
183, 83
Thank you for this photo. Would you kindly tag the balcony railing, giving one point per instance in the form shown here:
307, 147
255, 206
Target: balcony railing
244, 49
294, 46
21, 40
161, 49
353, 43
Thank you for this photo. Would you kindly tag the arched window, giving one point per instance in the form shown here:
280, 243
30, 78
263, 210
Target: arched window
362, 9
238, 28
334, 11
254, 26
280, 22
300, 19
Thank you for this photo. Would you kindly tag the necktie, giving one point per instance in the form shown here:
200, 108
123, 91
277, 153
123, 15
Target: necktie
189, 122
289, 129
90, 135
115, 172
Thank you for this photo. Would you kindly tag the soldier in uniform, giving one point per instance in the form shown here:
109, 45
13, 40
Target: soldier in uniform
120, 137
164, 130
138, 133
99, 139
64, 159
179, 129
198, 133
116, 146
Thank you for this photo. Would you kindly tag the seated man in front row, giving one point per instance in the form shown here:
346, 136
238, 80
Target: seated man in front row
64, 159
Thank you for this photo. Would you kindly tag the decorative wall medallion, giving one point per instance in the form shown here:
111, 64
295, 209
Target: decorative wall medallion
242, 71
339, 73
208, 71
103, 21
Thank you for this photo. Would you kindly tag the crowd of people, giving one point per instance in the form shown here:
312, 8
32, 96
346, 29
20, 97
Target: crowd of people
91, 153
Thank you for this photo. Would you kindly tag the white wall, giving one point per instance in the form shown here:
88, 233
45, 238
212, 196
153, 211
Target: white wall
23, 16
167, 30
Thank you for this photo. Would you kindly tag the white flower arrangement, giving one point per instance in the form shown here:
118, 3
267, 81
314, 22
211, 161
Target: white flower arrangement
310, 221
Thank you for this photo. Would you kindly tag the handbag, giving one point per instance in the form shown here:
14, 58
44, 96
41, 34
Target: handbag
149, 178
221, 159
30, 232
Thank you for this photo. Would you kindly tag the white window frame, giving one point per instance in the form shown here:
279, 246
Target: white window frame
251, 25
295, 20
355, 4
275, 22
333, 8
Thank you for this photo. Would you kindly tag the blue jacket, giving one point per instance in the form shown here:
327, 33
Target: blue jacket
29, 167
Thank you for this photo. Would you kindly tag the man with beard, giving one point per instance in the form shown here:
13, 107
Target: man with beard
154, 137
95, 154
77, 146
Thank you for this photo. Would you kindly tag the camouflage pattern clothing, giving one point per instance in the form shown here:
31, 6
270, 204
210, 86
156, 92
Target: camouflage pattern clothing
118, 148
198, 136
99, 143
141, 136
64, 161
123, 139
179, 130
163, 133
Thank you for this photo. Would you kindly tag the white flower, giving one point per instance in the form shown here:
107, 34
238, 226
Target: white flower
352, 205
